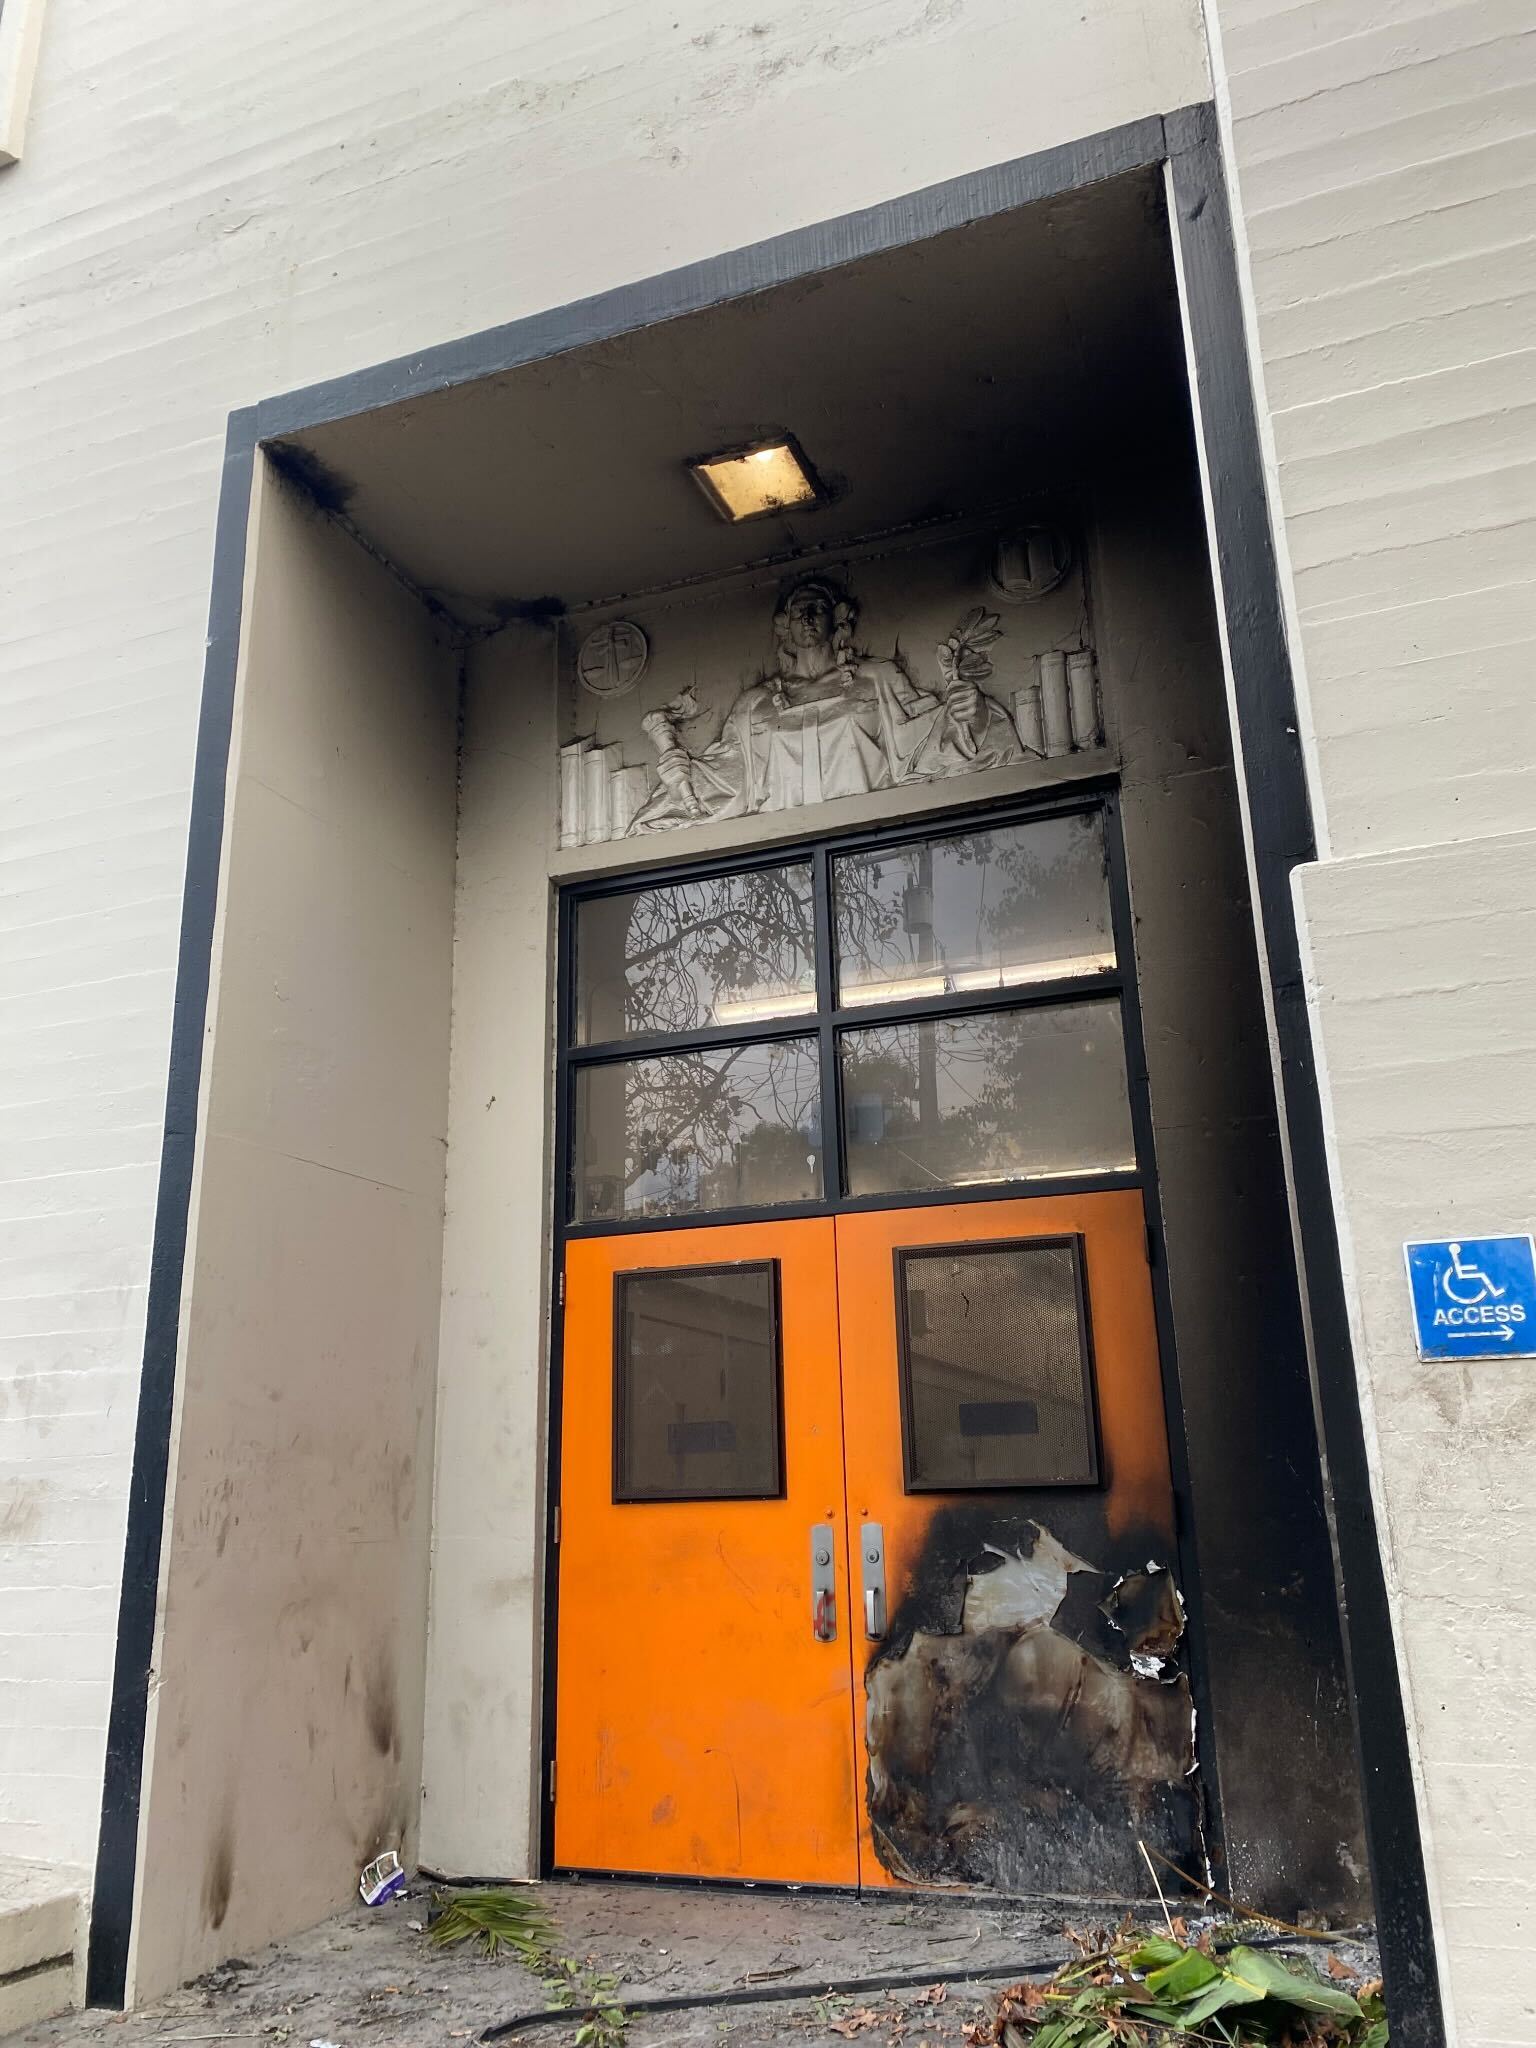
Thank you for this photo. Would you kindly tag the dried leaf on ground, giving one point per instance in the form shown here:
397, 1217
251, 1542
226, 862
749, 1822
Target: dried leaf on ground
861, 2017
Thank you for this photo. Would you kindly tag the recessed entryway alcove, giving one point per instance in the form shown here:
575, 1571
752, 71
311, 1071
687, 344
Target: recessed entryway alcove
358, 1571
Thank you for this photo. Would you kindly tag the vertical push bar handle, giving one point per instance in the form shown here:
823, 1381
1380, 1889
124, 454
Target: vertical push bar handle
872, 1555
823, 1583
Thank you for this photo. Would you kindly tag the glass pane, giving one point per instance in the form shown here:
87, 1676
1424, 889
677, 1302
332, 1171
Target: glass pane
1006, 1095
732, 1126
980, 910
724, 949
697, 1413
995, 1367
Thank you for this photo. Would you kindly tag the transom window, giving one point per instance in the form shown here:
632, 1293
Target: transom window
904, 1017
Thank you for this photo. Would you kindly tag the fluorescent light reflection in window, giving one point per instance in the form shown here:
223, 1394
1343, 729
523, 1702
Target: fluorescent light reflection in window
915, 987
753, 1009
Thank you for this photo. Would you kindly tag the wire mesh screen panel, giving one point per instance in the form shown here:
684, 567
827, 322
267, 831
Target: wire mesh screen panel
995, 1365
697, 1408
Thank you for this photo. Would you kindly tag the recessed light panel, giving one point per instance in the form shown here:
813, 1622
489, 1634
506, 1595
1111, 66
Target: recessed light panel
748, 483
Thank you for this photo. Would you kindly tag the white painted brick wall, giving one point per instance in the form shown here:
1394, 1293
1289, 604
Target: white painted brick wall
219, 202
1386, 164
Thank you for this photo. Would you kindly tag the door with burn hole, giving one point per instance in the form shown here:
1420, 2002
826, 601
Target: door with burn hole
866, 1531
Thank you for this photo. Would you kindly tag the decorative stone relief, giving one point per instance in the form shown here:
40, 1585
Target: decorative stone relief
1029, 563
1059, 712
612, 658
827, 719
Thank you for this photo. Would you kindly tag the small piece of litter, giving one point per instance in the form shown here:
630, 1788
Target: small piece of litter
415, 1925
381, 1879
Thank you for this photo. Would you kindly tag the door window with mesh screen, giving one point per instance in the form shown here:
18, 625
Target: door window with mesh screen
697, 1407
996, 1368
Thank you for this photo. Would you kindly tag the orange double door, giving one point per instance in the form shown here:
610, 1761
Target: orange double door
847, 1507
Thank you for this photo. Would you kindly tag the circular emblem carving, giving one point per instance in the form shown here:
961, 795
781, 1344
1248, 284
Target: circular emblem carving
1030, 562
611, 658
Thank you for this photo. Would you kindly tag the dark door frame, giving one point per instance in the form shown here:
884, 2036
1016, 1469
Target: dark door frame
1185, 144
1095, 795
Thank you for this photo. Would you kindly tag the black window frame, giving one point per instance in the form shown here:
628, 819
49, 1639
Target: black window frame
1072, 1241
827, 1022
735, 1267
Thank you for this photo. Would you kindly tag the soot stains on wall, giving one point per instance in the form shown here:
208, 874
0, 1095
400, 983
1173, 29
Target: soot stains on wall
1019, 1736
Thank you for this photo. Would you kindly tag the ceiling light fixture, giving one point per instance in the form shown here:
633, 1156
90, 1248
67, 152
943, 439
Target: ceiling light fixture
749, 483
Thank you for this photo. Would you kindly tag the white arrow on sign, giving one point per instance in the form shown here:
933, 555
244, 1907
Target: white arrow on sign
1504, 1333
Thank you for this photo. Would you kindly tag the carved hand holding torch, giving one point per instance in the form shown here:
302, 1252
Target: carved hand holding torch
964, 665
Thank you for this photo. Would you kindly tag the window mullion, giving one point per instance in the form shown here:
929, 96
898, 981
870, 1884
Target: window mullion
834, 1175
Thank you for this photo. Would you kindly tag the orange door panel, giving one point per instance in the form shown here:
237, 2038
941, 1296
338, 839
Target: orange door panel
703, 1727
1005, 1736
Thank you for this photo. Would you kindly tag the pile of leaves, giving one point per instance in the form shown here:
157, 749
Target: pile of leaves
495, 1920
499, 1921
1154, 1989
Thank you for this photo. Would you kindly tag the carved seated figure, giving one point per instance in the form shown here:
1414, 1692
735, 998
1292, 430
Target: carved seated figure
832, 721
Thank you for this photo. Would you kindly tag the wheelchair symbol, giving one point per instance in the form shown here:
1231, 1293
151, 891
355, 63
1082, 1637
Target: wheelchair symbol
1472, 1276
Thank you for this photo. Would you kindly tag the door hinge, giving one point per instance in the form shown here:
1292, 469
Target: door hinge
560, 1290
554, 1765
555, 1525
1151, 1246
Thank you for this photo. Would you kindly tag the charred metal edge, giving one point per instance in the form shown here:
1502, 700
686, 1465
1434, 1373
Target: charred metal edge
1187, 142
117, 1846
1186, 1544
1282, 836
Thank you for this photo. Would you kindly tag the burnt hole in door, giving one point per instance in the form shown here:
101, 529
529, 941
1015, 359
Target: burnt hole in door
1014, 1741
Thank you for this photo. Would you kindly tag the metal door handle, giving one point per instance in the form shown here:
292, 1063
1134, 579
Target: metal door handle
823, 1583
872, 1552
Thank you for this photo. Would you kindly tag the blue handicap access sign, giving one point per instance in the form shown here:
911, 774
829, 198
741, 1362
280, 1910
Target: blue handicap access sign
1474, 1297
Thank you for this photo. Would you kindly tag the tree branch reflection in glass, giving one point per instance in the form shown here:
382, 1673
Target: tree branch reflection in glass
719, 949
1005, 1095
683, 1133
976, 910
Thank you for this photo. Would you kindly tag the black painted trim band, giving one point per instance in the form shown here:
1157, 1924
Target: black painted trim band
783, 259
1280, 819
117, 1841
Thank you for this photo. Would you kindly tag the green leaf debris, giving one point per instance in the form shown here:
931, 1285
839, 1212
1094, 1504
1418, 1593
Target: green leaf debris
1152, 1990
500, 1921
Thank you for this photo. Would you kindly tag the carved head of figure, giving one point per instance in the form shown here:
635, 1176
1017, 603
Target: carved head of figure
813, 628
